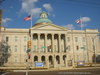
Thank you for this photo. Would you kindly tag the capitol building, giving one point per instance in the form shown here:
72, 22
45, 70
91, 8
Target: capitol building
52, 45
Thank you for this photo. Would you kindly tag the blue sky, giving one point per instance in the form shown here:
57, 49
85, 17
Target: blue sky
61, 12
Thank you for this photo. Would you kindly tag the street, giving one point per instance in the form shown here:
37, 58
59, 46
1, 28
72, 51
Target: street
85, 71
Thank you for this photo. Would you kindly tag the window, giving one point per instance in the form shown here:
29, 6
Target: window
76, 39
7, 39
15, 48
16, 38
34, 47
68, 39
15, 59
77, 58
84, 47
85, 58
25, 48
25, 38
69, 48
83, 39
77, 47
34, 37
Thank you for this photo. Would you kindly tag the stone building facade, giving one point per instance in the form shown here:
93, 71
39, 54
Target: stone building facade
53, 45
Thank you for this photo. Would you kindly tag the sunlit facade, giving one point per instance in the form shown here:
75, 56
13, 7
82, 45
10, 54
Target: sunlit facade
53, 45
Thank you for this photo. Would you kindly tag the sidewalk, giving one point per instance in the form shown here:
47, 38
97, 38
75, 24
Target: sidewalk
23, 69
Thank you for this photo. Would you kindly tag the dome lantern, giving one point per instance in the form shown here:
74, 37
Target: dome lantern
43, 18
43, 15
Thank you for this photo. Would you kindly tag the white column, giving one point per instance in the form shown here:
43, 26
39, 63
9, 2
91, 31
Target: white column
38, 42
52, 43
65, 41
61, 60
46, 42
47, 61
59, 42
66, 61
33, 63
39, 58
54, 61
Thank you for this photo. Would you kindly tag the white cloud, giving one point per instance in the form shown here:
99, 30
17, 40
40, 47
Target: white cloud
28, 6
69, 26
48, 7
6, 20
35, 11
85, 19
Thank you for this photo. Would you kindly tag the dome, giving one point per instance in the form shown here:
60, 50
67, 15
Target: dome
43, 18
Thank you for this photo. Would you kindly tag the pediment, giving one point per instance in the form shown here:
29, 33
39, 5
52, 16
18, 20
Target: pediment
48, 27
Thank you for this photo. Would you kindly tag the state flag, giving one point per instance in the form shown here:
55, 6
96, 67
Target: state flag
78, 21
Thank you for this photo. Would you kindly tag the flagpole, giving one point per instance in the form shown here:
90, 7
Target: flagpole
31, 37
31, 21
31, 47
81, 23
82, 42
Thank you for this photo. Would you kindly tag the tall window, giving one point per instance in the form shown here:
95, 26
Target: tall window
25, 38
15, 59
77, 58
35, 37
68, 39
69, 48
15, 48
25, 48
76, 39
7, 39
16, 38
83, 39
77, 47
85, 58
84, 47
34, 47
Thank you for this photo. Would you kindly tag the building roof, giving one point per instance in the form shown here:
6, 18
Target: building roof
43, 18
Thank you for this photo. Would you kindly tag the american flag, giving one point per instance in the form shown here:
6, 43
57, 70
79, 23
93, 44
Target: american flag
27, 18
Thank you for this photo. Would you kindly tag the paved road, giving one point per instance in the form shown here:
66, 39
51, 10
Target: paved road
93, 71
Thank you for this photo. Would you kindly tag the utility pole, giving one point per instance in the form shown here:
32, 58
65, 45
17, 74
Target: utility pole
0, 36
29, 50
